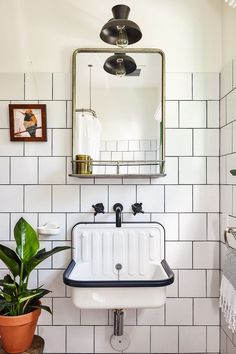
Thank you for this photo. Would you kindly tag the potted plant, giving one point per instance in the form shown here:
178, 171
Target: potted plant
20, 306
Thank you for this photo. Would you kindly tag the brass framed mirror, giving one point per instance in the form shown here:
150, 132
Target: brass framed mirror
118, 112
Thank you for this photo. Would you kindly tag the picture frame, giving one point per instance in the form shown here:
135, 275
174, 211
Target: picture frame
27, 122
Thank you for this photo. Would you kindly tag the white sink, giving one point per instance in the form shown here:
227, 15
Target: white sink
100, 249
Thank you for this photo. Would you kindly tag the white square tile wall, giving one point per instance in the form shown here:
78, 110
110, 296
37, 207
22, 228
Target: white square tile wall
34, 183
227, 195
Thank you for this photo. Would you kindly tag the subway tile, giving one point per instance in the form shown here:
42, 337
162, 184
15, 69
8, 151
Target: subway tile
52, 170
234, 137
193, 114
206, 142
178, 86
7, 147
206, 86
138, 217
38, 86
213, 283
122, 145
213, 226
111, 145
145, 145
206, 255
12, 86
151, 316
179, 254
69, 114
39, 148
5, 171
4, 226
24, 170
52, 280
61, 86
11, 198
45, 318
192, 170
65, 198
70, 314
53, 218
206, 311
213, 339
56, 113
126, 195
206, 198
192, 339
223, 339
152, 198
231, 165
94, 317
231, 106
37, 198
173, 289
80, 339
178, 142
102, 339
62, 259
54, 337
139, 339
192, 226
179, 312
62, 142
172, 114
213, 170
170, 223
213, 114
222, 112
4, 114
171, 170
223, 171
226, 79
74, 218
192, 283
226, 135
226, 199
178, 198
160, 339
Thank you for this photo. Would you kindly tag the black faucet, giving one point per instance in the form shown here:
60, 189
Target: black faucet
118, 209
98, 209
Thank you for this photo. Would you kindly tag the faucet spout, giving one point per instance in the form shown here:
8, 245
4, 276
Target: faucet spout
118, 209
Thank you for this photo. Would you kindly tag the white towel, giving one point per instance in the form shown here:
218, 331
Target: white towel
227, 289
87, 135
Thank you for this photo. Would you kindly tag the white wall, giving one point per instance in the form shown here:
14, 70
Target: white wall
41, 35
228, 33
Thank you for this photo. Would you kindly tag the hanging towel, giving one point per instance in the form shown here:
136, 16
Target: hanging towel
228, 289
87, 135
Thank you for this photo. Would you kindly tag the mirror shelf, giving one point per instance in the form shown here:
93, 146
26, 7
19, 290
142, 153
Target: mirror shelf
128, 113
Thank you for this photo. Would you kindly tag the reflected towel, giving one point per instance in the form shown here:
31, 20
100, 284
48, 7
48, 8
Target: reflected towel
228, 289
87, 135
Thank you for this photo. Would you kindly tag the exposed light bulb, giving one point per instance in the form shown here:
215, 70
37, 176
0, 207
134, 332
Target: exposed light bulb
122, 38
120, 70
231, 3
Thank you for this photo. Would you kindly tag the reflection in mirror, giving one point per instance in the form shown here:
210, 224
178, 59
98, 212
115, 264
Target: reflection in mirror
118, 113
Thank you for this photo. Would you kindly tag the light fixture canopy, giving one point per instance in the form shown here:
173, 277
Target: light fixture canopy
119, 64
119, 30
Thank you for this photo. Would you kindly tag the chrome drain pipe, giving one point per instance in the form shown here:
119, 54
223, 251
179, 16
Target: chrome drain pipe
118, 322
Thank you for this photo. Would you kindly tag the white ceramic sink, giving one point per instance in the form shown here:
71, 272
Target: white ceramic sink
118, 267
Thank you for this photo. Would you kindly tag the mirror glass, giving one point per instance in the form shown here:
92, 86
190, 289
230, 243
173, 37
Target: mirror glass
118, 117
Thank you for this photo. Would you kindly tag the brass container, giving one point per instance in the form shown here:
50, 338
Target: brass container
83, 165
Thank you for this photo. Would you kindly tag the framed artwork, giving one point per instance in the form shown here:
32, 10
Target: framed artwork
28, 122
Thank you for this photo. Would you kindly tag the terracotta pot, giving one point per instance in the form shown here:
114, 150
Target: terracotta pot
17, 332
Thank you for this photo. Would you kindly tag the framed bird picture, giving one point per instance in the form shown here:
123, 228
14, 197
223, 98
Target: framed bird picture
28, 122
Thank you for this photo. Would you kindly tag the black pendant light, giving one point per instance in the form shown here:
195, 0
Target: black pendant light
119, 65
119, 30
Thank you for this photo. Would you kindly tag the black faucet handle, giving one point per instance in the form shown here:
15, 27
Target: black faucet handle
137, 208
99, 208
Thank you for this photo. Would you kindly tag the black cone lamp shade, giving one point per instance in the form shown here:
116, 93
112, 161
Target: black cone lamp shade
119, 30
119, 64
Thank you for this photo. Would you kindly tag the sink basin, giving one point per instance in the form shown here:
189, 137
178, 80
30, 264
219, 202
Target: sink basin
121, 267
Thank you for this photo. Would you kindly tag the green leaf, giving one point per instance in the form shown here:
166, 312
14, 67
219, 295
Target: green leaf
26, 240
43, 307
40, 257
233, 172
9, 257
